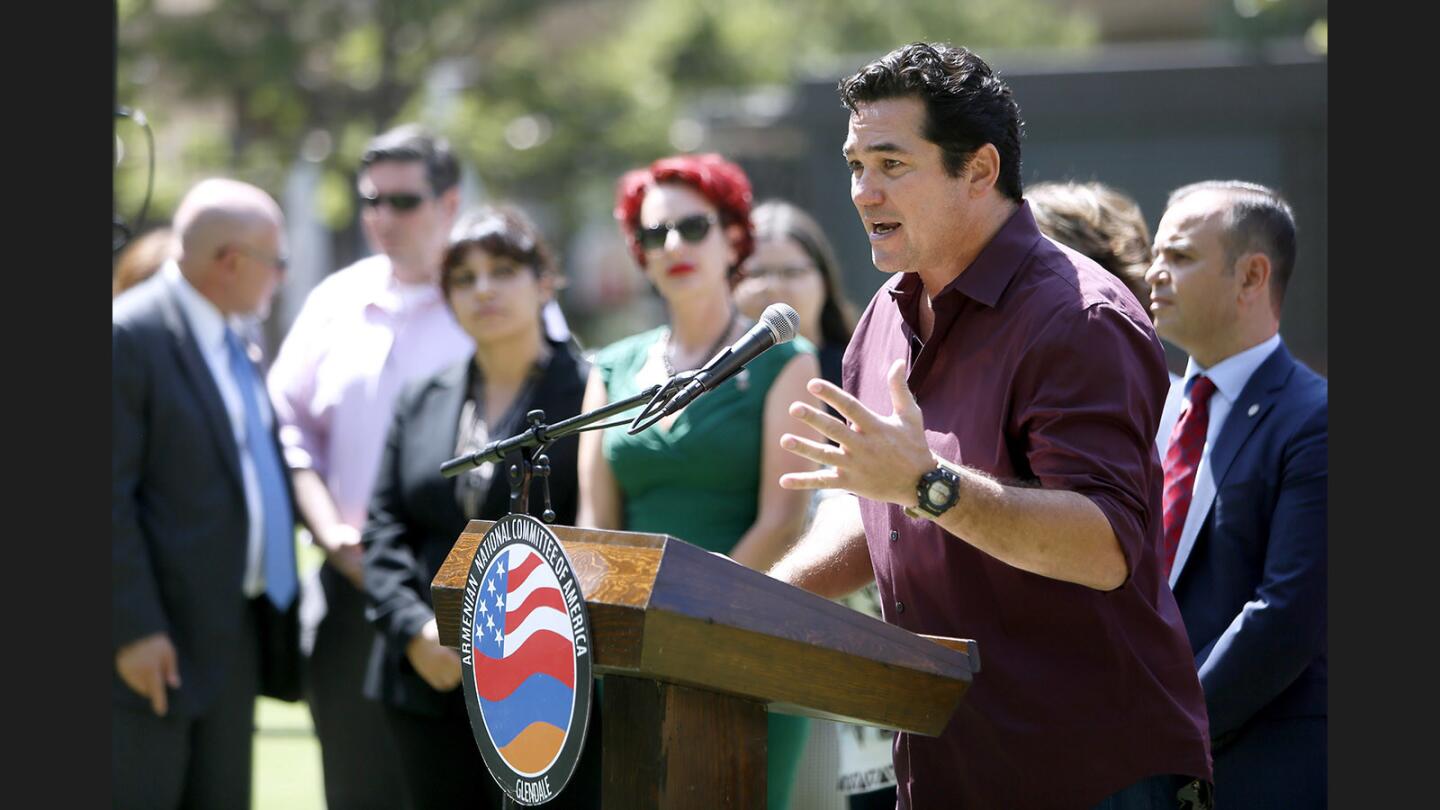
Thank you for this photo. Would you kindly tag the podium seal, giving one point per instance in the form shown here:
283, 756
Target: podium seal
525, 659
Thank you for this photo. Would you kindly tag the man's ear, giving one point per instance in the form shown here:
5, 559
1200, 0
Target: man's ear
1253, 272
983, 169
226, 257
450, 202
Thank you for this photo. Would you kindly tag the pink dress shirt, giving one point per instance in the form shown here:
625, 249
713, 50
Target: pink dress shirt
358, 340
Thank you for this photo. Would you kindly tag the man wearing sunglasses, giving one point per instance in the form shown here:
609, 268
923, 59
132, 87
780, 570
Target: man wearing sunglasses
363, 333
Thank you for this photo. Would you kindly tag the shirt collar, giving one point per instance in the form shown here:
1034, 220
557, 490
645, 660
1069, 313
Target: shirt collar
206, 321
412, 296
986, 278
1231, 374
387, 293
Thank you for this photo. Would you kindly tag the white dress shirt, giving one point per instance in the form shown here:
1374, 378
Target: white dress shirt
207, 325
1229, 376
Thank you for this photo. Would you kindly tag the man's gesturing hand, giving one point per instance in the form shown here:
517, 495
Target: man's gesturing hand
877, 457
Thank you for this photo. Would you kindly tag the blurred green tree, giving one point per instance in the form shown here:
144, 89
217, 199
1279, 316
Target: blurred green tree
548, 100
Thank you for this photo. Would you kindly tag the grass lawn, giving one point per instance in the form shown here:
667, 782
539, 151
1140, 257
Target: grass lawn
287, 772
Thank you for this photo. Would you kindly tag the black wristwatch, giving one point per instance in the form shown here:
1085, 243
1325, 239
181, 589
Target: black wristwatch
937, 491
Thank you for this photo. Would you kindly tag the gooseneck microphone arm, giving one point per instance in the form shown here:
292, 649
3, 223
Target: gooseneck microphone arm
777, 324
540, 435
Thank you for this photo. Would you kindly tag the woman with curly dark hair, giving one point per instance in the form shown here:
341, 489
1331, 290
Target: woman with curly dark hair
794, 263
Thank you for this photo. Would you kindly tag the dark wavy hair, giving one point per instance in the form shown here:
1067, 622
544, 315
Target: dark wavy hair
1100, 222
716, 179
498, 230
411, 142
966, 104
777, 219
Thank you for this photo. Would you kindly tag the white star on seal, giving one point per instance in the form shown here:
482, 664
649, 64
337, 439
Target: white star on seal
499, 637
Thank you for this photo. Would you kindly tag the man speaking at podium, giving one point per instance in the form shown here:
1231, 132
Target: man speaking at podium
1001, 396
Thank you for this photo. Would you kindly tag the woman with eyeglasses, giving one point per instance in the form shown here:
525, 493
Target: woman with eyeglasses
794, 263
496, 275
710, 474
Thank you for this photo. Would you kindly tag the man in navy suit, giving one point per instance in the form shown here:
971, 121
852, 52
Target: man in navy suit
1243, 437
202, 524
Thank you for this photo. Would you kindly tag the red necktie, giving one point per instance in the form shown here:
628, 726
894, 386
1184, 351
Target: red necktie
1187, 441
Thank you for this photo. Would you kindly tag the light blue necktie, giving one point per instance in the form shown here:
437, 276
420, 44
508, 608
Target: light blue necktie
278, 529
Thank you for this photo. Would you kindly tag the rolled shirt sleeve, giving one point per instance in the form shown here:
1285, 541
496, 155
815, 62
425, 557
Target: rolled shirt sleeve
1087, 411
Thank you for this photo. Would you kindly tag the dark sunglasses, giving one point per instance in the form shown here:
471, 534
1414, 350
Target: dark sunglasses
692, 229
399, 202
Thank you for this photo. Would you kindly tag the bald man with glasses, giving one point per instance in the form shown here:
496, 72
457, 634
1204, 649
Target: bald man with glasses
204, 590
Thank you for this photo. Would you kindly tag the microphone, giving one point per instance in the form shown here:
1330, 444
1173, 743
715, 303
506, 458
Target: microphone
777, 324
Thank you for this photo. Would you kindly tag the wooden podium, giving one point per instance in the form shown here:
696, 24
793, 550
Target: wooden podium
695, 649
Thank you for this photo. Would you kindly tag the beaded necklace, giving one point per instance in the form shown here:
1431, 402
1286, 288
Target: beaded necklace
715, 349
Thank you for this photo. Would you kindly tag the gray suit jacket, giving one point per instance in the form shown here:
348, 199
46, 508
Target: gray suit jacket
178, 520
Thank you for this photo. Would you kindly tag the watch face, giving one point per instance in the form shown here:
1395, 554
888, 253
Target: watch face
938, 492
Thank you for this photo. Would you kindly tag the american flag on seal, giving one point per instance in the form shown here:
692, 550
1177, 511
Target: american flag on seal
524, 660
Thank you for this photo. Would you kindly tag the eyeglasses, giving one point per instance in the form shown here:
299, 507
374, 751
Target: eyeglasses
692, 229
788, 272
279, 261
399, 202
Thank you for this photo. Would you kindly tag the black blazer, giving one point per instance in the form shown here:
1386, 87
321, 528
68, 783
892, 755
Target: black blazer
178, 521
414, 517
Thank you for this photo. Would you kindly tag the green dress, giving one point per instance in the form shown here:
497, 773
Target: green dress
700, 481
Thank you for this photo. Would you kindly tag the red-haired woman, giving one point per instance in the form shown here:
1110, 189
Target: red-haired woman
709, 474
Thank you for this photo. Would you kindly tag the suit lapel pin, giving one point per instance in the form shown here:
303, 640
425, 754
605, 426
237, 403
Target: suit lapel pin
1254, 409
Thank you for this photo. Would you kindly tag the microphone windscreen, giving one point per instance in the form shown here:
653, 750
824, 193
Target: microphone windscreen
782, 320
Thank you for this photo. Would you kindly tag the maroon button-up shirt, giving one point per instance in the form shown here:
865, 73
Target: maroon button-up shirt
1041, 369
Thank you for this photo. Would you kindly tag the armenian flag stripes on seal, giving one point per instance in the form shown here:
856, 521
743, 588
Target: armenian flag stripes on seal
525, 659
